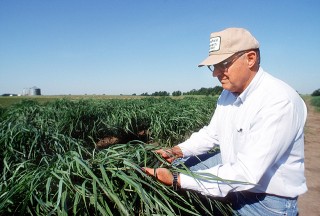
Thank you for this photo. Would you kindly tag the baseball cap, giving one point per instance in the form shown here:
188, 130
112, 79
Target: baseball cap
227, 42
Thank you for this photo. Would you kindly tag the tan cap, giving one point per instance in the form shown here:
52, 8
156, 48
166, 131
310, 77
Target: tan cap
225, 43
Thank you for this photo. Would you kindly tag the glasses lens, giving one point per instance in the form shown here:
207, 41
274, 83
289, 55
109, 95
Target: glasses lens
223, 66
217, 66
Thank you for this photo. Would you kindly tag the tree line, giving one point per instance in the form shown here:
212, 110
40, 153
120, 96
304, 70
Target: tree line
202, 91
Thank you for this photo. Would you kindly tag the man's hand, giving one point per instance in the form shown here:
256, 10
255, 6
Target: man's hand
170, 154
163, 175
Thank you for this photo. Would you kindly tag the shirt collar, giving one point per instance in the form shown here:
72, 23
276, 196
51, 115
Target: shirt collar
250, 88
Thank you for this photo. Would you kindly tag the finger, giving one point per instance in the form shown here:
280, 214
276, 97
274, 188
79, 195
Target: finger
162, 153
149, 171
166, 154
159, 151
170, 160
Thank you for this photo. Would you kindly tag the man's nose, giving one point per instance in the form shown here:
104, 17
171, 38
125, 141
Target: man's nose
216, 72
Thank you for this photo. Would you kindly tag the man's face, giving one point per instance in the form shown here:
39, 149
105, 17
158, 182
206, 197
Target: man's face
235, 75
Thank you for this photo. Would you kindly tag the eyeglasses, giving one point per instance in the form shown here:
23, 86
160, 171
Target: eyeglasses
224, 66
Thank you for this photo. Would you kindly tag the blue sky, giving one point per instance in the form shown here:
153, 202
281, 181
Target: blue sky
135, 46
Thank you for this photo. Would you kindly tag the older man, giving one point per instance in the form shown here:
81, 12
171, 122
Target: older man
258, 125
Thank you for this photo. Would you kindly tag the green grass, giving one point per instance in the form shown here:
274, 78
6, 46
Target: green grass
50, 163
315, 101
8, 101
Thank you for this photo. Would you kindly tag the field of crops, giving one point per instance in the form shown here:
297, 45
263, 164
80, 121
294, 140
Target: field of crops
84, 157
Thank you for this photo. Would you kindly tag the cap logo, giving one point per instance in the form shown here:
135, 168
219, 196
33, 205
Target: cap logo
215, 44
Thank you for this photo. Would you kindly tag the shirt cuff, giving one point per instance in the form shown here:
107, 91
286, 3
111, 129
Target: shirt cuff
187, 152
205, 187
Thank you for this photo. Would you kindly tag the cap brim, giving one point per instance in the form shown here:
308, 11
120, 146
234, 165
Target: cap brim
214, 59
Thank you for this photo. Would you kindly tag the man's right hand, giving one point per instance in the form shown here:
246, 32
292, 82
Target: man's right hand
170, 154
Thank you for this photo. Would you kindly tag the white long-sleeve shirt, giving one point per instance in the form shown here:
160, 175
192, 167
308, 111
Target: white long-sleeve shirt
261, 139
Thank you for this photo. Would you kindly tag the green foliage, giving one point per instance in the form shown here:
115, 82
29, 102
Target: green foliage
50, 165
316, 93
315, 101
8, 101
160, 93
176, 93
202, 91
205, 91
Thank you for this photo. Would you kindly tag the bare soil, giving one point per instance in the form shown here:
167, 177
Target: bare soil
105, 142
308, 203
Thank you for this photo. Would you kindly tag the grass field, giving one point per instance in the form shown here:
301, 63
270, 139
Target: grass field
7, 101
51, 163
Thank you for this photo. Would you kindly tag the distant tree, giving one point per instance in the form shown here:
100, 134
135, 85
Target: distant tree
217, 90
205, 91
202, 91
176, 93
316, 93
160, 93
192, 92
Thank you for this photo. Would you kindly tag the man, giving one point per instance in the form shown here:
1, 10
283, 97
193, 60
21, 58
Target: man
258, 125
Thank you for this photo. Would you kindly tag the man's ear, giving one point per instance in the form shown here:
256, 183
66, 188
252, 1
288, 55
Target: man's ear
252, 58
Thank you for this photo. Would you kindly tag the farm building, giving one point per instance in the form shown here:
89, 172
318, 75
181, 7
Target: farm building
31, 91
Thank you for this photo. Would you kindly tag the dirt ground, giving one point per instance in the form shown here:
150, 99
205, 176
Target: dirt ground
308, 203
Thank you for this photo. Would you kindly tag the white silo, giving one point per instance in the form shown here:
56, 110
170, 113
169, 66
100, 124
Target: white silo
35, 91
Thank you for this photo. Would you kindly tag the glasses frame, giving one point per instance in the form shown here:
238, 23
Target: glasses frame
224, 66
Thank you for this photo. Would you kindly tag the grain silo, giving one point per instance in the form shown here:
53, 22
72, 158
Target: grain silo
35, 91
31, 91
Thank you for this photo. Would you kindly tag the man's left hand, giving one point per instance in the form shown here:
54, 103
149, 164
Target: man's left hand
163, 175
